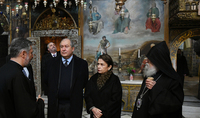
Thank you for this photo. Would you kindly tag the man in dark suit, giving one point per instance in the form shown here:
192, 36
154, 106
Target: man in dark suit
16, 99
66, 79
45, 61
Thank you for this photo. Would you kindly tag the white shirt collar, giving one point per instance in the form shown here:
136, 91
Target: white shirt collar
54, 54
68, 60
26, 70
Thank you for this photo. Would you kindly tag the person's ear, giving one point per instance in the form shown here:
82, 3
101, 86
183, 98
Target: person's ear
23, 54
109, 67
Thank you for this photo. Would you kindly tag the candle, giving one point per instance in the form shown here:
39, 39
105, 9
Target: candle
119, 51
138, 53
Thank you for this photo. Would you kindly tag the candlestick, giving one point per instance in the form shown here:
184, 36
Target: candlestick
138, 53
119, 51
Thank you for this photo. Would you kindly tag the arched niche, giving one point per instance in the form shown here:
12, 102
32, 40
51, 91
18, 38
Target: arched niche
174, 45
53, 19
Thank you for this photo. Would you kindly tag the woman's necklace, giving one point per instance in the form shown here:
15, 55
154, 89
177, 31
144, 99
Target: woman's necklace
139, 100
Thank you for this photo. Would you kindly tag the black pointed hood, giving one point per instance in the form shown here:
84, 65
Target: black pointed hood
159, 55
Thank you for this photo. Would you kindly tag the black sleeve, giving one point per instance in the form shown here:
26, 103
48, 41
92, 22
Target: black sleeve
168, 100
88, 99
25, 106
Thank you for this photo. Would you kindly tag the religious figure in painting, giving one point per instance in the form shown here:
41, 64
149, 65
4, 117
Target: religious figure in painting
97, 24
153, 21
104, 43
122, 24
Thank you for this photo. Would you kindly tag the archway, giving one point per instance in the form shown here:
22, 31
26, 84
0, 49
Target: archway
174, 45
53, 19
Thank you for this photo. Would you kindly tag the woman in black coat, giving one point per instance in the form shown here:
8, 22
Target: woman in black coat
103, 92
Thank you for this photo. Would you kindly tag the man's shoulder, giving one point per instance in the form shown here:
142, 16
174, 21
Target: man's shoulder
48, 55
79, 59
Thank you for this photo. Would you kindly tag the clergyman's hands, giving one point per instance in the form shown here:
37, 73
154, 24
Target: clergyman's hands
150, 83
39, 97
97, 112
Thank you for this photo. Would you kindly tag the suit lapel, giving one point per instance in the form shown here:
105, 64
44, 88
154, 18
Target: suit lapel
75, 71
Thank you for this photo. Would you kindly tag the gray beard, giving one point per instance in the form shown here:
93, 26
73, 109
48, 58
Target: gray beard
149, 71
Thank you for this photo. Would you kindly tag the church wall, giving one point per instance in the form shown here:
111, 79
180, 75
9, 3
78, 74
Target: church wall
135, 41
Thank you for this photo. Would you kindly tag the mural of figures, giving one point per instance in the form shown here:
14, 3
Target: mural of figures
122, 23
128, 33
97, 24
153, 21
104, 44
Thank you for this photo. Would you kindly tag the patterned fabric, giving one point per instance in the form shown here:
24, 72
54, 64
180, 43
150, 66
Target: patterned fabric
102, 78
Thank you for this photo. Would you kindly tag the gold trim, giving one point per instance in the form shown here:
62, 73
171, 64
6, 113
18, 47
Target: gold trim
129, 105
180, 39
57, 8
30, 20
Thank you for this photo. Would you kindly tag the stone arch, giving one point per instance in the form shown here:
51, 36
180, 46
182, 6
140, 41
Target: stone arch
44, 12
174, 45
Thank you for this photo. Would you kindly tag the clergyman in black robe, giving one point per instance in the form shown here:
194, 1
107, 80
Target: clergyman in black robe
182, 67
163, 96
16, 100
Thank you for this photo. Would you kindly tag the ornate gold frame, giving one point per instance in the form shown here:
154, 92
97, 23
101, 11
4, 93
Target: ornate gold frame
59, 8
180, 39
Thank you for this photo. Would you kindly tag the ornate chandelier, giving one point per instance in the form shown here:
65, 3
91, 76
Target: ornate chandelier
2, 2
119, 4
118, 8
66, 3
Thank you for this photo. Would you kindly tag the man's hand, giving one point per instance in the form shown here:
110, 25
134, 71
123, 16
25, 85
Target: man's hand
150, 83
97, 112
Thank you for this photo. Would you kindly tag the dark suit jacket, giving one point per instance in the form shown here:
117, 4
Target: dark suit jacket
107, 99
16, 100
44, 65
79, 80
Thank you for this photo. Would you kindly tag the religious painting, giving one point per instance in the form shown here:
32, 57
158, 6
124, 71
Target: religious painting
122, 22
153, 21
94, 21
129, 38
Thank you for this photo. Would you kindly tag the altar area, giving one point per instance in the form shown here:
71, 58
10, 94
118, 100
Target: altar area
130, 91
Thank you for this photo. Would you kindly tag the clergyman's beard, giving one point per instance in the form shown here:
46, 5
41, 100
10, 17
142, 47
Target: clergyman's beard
149, 71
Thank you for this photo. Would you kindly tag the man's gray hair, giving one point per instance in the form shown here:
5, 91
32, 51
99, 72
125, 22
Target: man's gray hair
48, 44
18, 45
71, 42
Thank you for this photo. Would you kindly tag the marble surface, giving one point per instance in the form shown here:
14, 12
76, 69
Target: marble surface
131, 82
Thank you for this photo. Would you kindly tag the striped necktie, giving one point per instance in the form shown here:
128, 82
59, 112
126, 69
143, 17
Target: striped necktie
66, 63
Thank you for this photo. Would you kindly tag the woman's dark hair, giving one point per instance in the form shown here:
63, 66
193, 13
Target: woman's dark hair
107, 59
